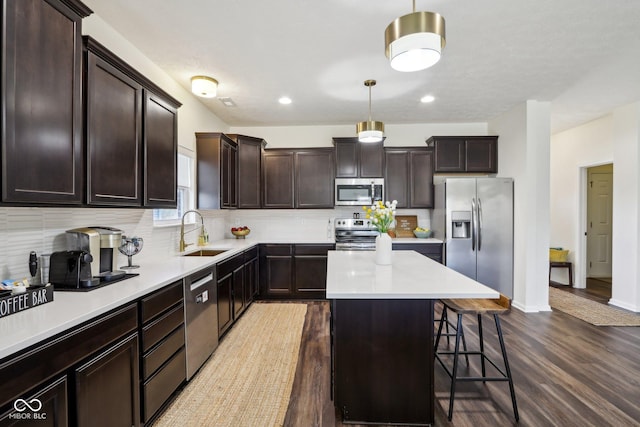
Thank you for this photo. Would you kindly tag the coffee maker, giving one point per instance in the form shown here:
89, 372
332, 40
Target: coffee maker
102, 243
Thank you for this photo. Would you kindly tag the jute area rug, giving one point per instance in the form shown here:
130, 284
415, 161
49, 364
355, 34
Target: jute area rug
248, 379
590, 311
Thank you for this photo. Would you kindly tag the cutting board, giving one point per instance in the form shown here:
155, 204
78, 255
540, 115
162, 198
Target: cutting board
405, 224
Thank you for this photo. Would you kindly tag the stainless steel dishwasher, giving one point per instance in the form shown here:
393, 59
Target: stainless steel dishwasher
200, 318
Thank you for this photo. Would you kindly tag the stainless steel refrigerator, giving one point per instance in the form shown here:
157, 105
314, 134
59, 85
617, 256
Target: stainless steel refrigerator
474, 218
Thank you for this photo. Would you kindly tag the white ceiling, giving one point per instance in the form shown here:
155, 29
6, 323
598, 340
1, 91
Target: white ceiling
582, 55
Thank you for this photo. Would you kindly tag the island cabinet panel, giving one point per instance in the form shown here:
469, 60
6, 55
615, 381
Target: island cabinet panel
42, 102
314, 178
160, 152
357, 160
383, 361
409, 177
249, 170
107, 387
278, 177
474, 154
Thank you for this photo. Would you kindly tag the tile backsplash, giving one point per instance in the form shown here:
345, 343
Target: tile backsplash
43, 229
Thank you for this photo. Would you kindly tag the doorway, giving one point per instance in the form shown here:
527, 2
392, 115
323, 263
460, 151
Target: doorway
599, 225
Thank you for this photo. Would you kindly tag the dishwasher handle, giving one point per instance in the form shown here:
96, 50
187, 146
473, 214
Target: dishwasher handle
208, 278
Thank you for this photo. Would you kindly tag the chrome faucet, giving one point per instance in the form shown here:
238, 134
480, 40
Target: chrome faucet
203, 238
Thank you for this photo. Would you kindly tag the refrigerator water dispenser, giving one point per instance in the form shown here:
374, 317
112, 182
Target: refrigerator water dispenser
460, 224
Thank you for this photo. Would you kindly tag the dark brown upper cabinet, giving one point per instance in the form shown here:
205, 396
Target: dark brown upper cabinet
355, 159
121, 108
42, 101
298, 178
216, 171
249, 170
314, 178
278, 176
409, 177
160, 147
475, 154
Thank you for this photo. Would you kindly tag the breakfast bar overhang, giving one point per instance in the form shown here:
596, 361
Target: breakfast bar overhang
382, 333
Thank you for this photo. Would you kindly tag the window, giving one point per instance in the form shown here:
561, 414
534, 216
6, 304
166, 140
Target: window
185, 194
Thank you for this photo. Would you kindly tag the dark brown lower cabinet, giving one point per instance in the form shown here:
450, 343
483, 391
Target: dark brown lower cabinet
431, 250
293, 271
251, 283
382, 354
53, 412
162, 347
236, 276
107, 387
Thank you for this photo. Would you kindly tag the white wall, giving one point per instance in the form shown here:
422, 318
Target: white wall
571, 152
193, 116
615, 139
406, 135
523, 154
626, 208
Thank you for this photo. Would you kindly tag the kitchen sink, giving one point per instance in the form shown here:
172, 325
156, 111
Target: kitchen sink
206, 252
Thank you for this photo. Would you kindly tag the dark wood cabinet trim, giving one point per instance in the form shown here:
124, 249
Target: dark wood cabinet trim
43, 361
95, 46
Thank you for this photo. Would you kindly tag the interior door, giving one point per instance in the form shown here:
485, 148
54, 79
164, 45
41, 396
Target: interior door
599, 224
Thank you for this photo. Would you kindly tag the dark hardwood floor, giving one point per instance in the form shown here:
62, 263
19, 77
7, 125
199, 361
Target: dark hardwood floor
566, 373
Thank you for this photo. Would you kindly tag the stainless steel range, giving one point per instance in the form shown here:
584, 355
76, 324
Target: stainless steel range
355, 234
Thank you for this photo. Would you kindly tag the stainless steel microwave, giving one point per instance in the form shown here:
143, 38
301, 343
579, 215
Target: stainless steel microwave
358, 191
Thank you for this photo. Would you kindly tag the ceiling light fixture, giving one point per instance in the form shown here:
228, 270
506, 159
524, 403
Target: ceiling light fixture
370, 131
204, 86
285, 100
427, 98
415, 41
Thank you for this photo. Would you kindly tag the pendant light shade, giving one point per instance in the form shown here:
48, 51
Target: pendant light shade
370, 130
204, 86
415, 41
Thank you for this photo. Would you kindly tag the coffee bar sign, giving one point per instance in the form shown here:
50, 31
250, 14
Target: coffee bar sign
16, 303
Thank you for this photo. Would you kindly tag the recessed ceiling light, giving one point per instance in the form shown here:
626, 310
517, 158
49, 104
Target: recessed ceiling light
427, 98
228, 102
285, 100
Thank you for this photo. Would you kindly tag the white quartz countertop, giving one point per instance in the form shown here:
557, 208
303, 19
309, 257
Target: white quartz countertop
69, 309
355, 275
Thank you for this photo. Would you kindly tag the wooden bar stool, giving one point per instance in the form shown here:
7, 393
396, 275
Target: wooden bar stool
496, 307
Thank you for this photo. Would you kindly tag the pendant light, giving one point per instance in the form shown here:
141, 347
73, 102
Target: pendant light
415, 41
370, 131
206, 87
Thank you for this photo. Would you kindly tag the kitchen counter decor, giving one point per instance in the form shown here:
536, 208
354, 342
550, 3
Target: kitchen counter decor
382, 216
33, 296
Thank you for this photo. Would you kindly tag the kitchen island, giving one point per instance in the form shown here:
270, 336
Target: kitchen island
382, 333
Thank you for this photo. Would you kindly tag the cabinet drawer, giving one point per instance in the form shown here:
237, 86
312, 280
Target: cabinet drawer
269, 250
160, 328
160, 301
302, 249
158, 389
162, 352
250, 254
229, 265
